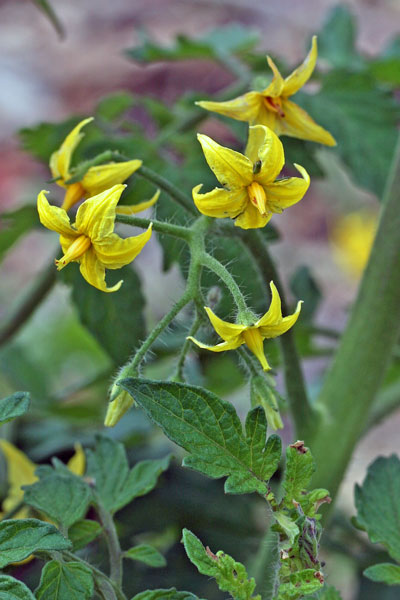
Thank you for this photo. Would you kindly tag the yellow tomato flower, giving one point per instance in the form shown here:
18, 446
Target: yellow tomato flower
21, 472
97, 179
91, 240
352, 237
268, 326
272, 106
250, 195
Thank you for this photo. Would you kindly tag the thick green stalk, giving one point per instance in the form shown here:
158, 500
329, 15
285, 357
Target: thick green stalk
114, 548
366, 349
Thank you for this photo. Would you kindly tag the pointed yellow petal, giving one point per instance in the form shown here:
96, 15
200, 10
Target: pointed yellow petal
94, 272
60, 160
220, 203
264, 146
254, 342
53, 217
20, 471
274, 89
286, 192
232, 345
251, 218
132, 209
117, 408
243, 108
232, 169
297, 123
298, 78
77, 462
228, 331
103, 177
271, 331
74, 192
95, 217
274, 313
115, 252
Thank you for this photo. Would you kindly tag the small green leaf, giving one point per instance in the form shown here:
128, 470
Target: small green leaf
12, 589
170, 594
231, 576
288, 525
65, 581
20, 538
70, 496
300, 584
43, 139
336, 41
146, 554
384, 573
327, 593
209, 429
377, 503
83, 532
114, 105
14, 406
15, 224
115, 320
265, 457
300, 467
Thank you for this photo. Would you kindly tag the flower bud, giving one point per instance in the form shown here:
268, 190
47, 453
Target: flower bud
120, 403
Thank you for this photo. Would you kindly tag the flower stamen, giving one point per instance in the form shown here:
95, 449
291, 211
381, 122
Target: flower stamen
74, 252
275, 105
258, 197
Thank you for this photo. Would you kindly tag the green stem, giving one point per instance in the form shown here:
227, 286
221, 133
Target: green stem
214, 265
168, 187
248, 361
159, 226
294, 378
178, 375
111, 592
365, 351
114, 548
42, 287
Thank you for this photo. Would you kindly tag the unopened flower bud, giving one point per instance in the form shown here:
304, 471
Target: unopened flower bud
120, 403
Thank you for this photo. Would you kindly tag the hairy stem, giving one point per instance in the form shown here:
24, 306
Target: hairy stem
365, 351
167, 228
178, 375
114, 548
168, 187
107, 588
214, 265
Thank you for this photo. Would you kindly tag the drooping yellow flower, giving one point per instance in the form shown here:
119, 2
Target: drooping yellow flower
91, 240
97, 179
352, 237
21, 472
250, 195
272, 106
270, 325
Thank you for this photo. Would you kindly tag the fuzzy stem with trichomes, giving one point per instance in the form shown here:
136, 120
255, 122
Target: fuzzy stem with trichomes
114, 548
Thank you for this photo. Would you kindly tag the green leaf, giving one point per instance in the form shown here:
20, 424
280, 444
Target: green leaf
70, 496
210, 430
170, 594
377, 503
48, 10
384, 573
336, 41
115, 483
115, 320
231, 576
304, 287
12, 589
288, 525
328, 593
19, 538
15, 224
65, 581
114, 105
300, 467
83, 532
146, 554
300, 583
14, 406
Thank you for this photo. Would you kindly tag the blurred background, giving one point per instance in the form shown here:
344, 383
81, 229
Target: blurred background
45, 78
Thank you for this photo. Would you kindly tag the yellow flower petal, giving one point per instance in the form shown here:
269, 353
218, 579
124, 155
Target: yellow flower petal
228, 331
264, 146
103, 177
132, 209
220, 203
232, 169
77, 462
254, 342
274, 89
232, 345
242, 108
73, 194
302, 74
94, 272
271, 331
115, 252
274, 313
251, 218
297, 123
117, 408
95, 217
286, 192
20, 471
53, 217
60, 159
